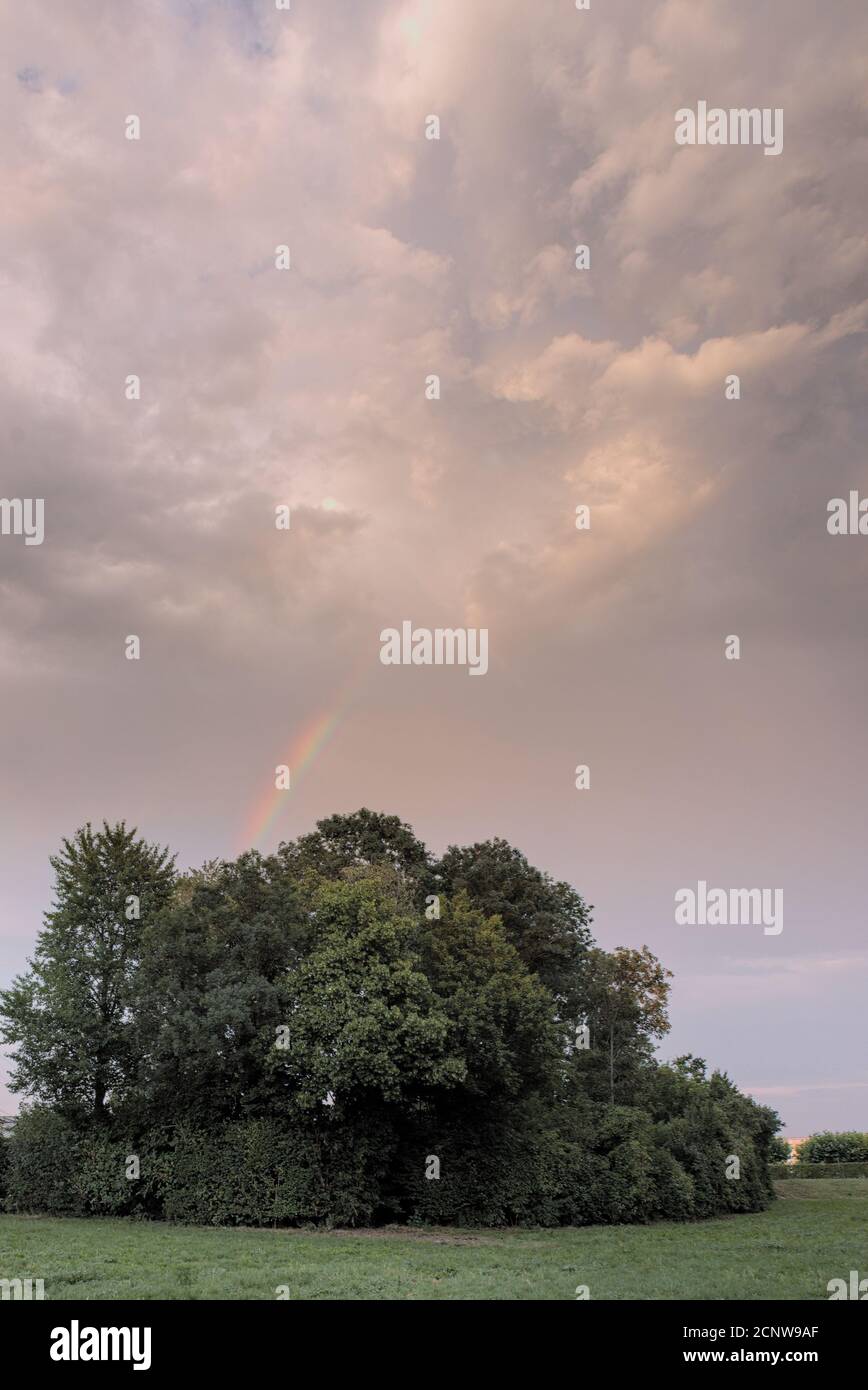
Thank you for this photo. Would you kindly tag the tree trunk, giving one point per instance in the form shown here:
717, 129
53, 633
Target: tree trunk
99, 1094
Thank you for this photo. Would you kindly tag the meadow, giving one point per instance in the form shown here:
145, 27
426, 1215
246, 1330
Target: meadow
814, 1232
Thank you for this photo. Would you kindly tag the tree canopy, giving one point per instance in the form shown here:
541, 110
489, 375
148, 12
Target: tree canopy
333, 1014
70, 1016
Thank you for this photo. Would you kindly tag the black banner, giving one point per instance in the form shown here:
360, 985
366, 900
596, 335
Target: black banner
242, 1338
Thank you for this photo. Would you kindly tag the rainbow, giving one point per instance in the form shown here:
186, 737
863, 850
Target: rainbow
300, 756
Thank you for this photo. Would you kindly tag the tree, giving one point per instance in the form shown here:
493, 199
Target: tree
624, 993
69, 1016
207, 998
361, 840
293, 1037
779, 1149
848, 1146
365, 1027
703, 1122
546, 921
501, 1018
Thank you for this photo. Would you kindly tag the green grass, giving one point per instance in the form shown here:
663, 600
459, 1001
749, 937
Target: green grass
816, 1231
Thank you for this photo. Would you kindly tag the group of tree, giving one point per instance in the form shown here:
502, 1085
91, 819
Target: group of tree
351, 1030
845, 1146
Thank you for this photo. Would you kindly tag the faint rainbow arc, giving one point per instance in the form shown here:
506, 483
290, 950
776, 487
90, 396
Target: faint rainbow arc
302, 751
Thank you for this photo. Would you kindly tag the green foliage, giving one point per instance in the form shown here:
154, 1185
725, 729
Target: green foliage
501, 1028
784, 1172
365, 1022
258, 1173
547, 922
366, 839
253, 1172
69, 1016
42, 1159
849, 1146
208, 994
615, 1166
493, 1172
99, 1177
704, 1124
624, 993
293, 1038
779, 1149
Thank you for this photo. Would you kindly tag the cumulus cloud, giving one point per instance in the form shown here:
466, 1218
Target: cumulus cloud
559, 387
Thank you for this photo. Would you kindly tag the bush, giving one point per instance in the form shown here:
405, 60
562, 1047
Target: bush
529, 1164
503, 1171
42, 1154
786, 1171
492, 1172
99, 1178
704, 1124
255, 1173
262, 1173
828, 1147
54, 1168
779, 1149
607, 1165
599, 1164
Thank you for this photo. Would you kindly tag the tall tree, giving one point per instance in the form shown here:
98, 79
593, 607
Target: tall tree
69, 1015
501, 1018
208, 993
625, 994
365, 1026
546, 921
359, 841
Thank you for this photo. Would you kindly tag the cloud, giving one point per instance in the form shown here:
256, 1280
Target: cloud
559, 387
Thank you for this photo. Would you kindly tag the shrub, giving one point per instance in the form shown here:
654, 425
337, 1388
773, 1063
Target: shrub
674, 1188
528, 1164
787, 1171
99, 1177
608, 1164
256, 1173
262, 1173
828, 1147
779, 1149
705, 1124
493, 1172
42, 1157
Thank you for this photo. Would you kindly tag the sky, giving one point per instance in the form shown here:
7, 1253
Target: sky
560, 387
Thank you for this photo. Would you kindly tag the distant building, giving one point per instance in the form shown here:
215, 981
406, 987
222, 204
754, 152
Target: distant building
6, 1123
795, 1145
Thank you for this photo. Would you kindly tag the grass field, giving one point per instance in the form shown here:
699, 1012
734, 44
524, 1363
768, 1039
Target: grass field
815, 1232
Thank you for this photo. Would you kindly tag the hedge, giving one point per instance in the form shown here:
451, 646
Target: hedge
252, 1173
849, 1146
786, 1171
609, 1164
